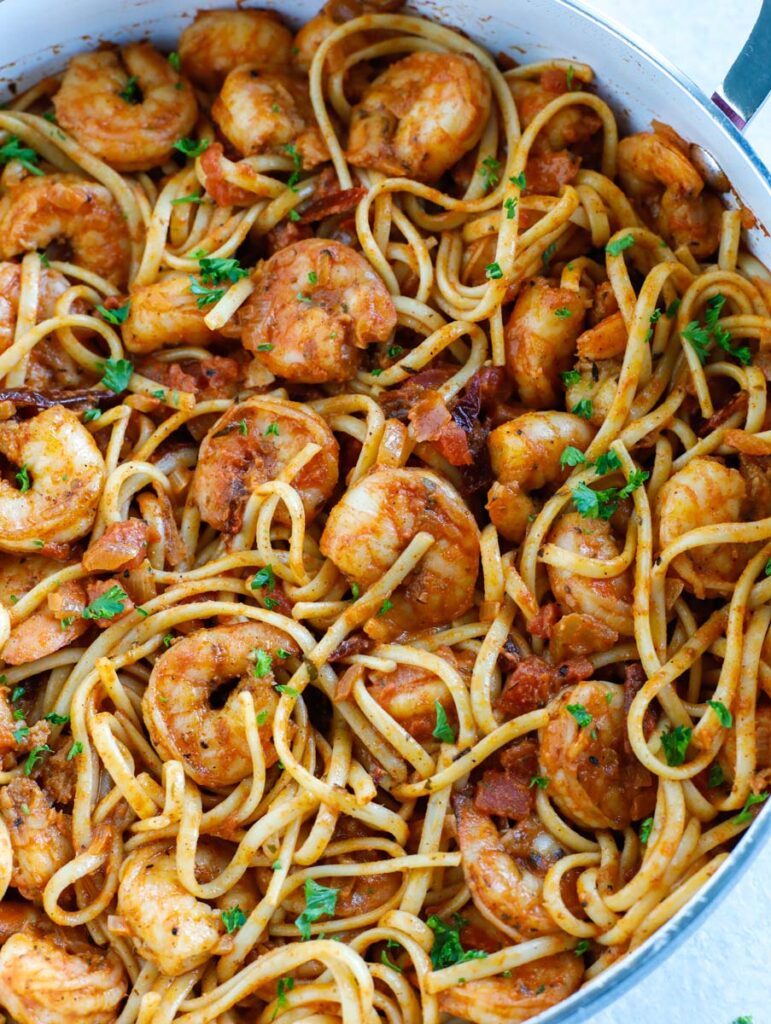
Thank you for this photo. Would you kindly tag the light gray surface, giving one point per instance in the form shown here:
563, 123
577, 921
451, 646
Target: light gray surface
723, 971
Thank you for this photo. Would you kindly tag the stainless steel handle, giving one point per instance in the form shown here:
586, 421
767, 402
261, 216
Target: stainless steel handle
748, 81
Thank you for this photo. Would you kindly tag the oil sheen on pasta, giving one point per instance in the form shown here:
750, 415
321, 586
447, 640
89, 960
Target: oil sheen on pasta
385, 529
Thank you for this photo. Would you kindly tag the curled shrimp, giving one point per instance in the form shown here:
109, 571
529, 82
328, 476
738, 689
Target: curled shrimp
523, 993
54, 624
61, 476
569, 127
266, 111
313, 33
597, 383
315, 306
126, 106
191, 706
218, 41
252, 443
655, 169
525, 456
420, 116
40, 836
702, 493
506, 890
165, 313
168, 926
592, 778
65, 207
609, 600
540, 341
52, 284
51, 976
378, 517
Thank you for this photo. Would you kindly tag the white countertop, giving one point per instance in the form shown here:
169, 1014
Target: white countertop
723, 970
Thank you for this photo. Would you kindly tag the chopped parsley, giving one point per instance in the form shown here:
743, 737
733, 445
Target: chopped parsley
569, 77
572, 457
563, 313
519, 180
490, 172
131, 92
675, 743
288, 690
263, 663
191, 147
91, 414
716, 775
447, 948
443, 730
582, 947
55, 719
216, 269
36, 755
619, 244
12, 149
193, 197
387, 962
272, 428
744, 814
645, 830
386, 606
206, 296
115, 316
510, 205
262, 717
583, 409
546, 255
319, 900
233, 919
284, 985
539, 781
75, 749
581, 715
174, 60
724, 716
603, 504
606, 463
243, 430
700, 337
22, 479
265, 577
493, 272
570, 377
294, 177
117, 374
109, 604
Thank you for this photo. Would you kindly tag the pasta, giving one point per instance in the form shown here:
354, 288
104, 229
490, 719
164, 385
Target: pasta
385, 529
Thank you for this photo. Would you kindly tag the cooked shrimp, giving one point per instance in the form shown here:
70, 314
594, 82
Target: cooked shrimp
61, 475
605, 340
40, 836
420, 116
52, 284
313, 33
571, 126
65, 207
16, 737
53, 977
377, 518
592, 778
654, 168
505, 890
524, 991
165, 313
54, 624
267, 111
702, 493
219, 41
126, 106
191, 712
14, 917
597, 384
409, 694
250, 444
525, 456
540, 341
609, 600
168, 926
316, 304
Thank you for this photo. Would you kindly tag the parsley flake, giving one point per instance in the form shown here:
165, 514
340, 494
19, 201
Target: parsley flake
447, 948
443, 730
115, 316
617, 246
109, 604
117, 374
233, 919
675, 743
724, 716
191, 147
319, 900
12, 149
581, 715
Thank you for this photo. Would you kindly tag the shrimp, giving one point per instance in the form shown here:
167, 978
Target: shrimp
523, 993
313, 33
53, 977
52, 625
165, 313
598, 379
168, 926
61, 476
506, 890
525, 456
655, 169
420, 116
703, 493
315, 306
269, 112
592, 778
16, 737
190, 706
126, 106
570, 126
410, 695
52, 285
377, 518
40, 836
252, 443
15, 916
66, 207
219, 41
609, 600
540, 341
